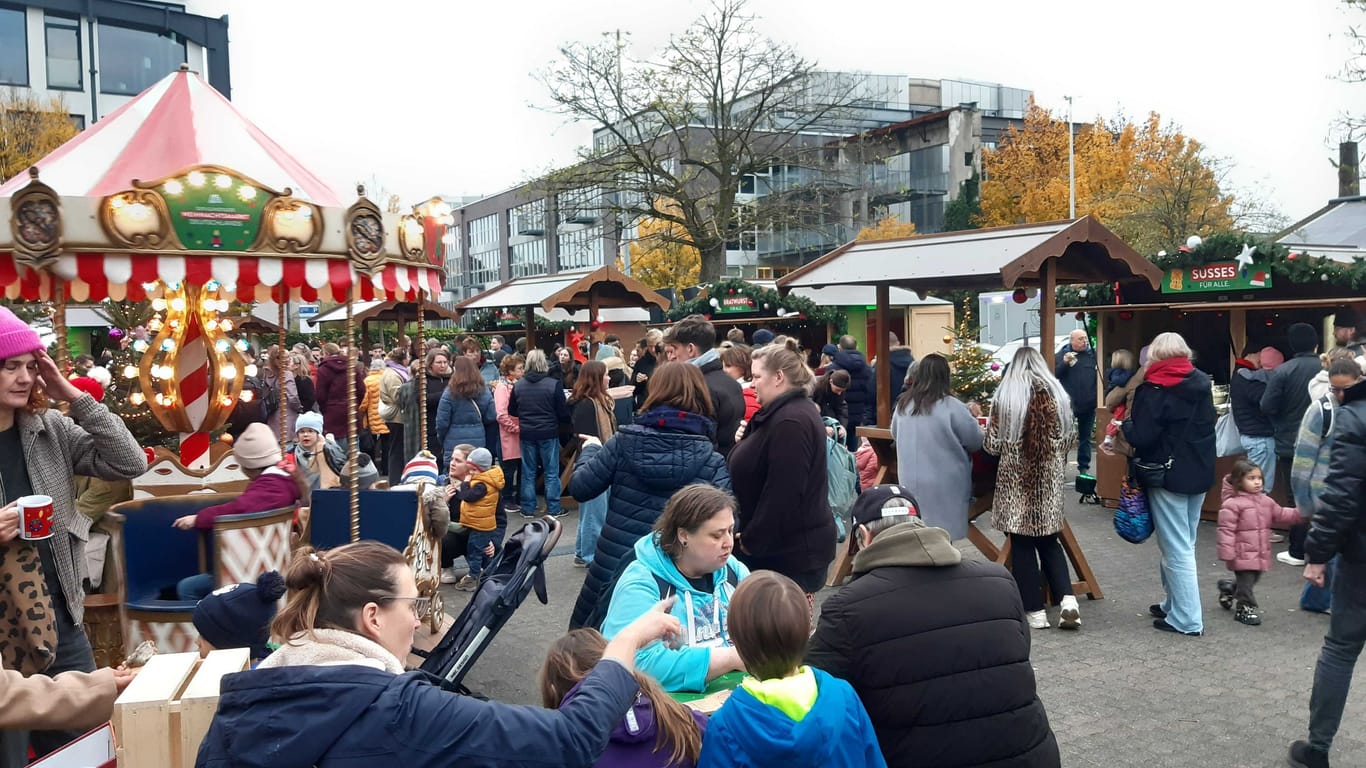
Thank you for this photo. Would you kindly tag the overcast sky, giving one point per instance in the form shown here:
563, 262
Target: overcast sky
436, 97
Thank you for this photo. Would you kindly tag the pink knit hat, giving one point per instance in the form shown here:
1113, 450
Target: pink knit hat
16, 337
1270, 358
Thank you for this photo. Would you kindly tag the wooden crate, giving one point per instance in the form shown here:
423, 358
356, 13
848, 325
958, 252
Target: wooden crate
162, 716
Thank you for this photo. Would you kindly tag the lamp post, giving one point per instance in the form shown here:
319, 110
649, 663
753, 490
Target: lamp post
1071, 166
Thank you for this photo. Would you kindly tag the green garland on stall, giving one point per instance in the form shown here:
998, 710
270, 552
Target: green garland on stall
493, 320
1285, 263
766, 302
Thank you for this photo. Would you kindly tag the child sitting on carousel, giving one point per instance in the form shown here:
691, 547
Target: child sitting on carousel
274, 484
319, 460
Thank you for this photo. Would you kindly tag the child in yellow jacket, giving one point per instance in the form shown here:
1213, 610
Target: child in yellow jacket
480, 498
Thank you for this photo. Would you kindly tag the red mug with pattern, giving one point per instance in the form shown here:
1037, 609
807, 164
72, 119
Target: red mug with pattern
35, 517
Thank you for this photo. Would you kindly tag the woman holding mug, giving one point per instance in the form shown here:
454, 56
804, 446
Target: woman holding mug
41, 450
335, 692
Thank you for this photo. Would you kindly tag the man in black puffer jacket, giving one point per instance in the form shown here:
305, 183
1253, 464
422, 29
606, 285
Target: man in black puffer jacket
921, 633
693, 340
538, 402
1284, 402
1338, 529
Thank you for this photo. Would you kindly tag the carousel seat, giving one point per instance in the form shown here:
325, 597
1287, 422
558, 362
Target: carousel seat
385, 516
156, 556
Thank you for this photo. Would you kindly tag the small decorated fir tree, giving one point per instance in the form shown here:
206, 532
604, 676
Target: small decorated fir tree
127, 326
970, 374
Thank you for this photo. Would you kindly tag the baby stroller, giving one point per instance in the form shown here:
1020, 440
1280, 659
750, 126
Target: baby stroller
507, 581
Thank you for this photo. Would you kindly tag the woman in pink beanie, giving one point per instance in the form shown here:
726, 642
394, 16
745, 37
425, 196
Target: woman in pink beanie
41, 450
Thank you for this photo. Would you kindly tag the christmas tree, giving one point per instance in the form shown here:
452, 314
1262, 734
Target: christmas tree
128, 336
971, 374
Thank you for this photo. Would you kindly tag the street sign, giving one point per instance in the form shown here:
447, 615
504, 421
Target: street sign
306, 314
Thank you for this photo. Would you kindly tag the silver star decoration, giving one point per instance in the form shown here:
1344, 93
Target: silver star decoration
1244, 259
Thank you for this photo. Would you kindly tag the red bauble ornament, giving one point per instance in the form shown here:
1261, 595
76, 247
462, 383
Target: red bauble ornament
1291, 256
1080, 315
1019, 296
594, 325
1126, 315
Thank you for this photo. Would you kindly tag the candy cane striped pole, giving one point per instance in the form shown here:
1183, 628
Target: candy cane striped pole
192, 376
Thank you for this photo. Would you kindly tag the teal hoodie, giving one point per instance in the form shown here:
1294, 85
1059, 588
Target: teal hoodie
702, 614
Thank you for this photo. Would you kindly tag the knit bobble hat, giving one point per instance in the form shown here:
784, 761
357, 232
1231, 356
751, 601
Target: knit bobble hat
763, 336
310, 420
1271, 358
422, 469
480, 457
256, 447
16, 337
239, 615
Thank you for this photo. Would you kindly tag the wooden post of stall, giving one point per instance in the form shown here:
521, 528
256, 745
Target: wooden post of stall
1048, 309
592, 318
530, 327
884, 368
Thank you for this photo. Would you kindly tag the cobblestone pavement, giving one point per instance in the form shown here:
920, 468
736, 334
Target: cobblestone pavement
1118, 692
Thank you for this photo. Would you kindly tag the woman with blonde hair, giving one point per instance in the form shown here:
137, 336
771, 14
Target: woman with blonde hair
779, 474
335, 693
1031, 429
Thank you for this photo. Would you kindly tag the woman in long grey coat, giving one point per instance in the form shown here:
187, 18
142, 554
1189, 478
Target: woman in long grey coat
935, 437
1032, 429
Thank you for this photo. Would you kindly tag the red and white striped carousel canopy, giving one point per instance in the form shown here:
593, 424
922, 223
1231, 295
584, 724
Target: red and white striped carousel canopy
178, 123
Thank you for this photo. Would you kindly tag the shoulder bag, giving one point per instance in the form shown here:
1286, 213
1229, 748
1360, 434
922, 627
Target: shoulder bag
1150, 474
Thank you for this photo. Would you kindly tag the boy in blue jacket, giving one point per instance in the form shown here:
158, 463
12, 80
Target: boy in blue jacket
784, 714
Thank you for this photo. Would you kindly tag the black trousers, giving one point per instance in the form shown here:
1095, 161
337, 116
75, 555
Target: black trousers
1026, 555
1243, 582
393, 451
512, 479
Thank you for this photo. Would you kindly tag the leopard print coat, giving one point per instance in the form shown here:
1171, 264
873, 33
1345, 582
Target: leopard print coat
28, 632
1029, 484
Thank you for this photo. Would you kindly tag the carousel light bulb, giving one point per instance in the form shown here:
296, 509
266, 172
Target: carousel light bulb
118, 203
247, 192
137, 398
223, 181
159, 304
226, 325
140, 346
225, 401
246, 396
174, 187
242, 347
178, 304
196, 179
139, 212
250, 369
222, 346
209, 305
212, 285
167, 345
228, 371
130, 372
154, 325
175, 324
223, 305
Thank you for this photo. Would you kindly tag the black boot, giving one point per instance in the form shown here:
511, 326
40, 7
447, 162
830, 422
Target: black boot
1304, 756
1226, 593
1246, 613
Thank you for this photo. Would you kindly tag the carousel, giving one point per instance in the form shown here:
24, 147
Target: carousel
179, 200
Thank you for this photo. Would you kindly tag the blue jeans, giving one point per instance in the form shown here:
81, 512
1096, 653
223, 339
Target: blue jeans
195, 587
592, 514
1176, 516
541, 456
474, 551
1341, 648
1262, 452
1086, 429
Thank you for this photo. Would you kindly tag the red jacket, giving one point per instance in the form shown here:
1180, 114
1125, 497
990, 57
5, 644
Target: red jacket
751, 401
272, 489
1245, 521
866, 459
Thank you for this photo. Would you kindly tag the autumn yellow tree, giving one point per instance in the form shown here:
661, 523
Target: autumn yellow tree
1151, 183
662, 255
887, 228
30, 128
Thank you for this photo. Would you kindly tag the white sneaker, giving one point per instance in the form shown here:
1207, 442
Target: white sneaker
1068, 615
1288, 559
1037, 619
448, 576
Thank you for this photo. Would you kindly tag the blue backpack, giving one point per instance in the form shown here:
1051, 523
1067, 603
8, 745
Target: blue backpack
841, 473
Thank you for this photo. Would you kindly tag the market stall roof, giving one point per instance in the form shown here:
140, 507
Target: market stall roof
1337, 231
855, 295
1080, 250
603, 288
387, 311
179, 122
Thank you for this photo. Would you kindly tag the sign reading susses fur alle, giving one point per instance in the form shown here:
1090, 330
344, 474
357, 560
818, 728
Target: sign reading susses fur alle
1219, 276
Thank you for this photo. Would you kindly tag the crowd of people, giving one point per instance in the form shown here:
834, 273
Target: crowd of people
707, 523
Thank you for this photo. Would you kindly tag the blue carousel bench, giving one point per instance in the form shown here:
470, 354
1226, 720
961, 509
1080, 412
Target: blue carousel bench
156, 556
386, 516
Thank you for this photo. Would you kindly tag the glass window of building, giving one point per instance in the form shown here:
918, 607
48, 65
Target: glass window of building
13, 46
62, 37
131, 60
581, 248
77, 122
485, 257
528, 258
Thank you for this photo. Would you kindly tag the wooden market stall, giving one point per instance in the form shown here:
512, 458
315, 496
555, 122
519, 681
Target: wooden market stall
1037, 257
1226, 295
364, 313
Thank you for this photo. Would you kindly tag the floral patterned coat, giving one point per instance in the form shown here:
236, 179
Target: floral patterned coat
1029, 485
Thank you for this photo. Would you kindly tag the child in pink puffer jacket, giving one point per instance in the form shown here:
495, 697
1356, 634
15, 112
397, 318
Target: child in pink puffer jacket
1245, 521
